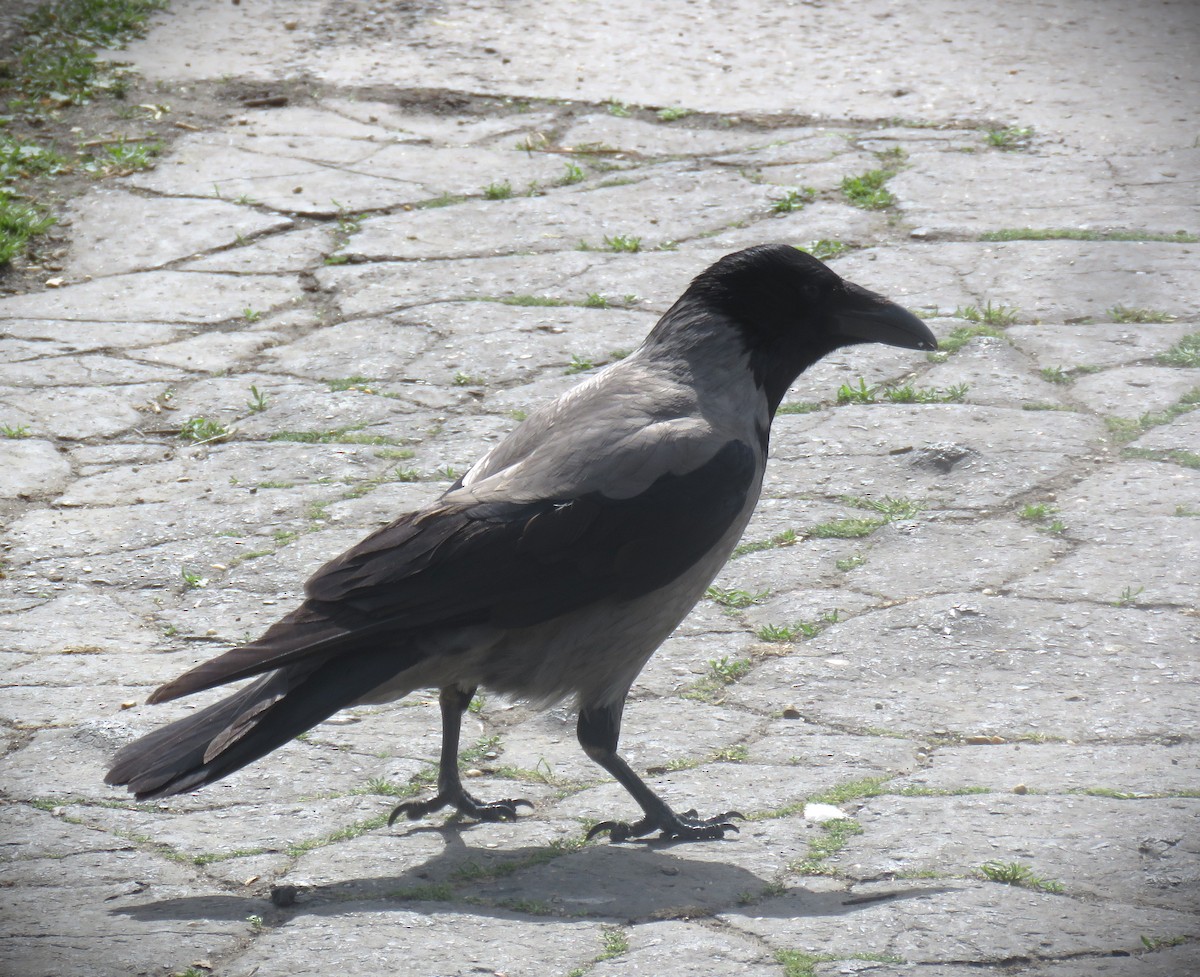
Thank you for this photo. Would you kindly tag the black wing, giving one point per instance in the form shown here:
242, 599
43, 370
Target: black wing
504, 564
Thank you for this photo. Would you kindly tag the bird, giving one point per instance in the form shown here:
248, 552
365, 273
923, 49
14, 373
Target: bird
554, 568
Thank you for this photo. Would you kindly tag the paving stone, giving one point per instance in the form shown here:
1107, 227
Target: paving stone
31, 467
1120, 555
1095, 847
992, 372
457, 171
375, 348
210, 353
511, 121
1060, 768
69, 412
1050, 281
202, 167
89, 370
365, 940
76, 895
82, 623
631, 882
989, 666
169, 296
948, 559
936, 922
678, 947
952, 192
1181, 434
966, 457
1132, 391
275, 253
499, 345
643, 138
82, 336
171, 229
567, 217
824, 219
1095, 344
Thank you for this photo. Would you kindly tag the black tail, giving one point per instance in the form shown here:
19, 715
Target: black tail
252, 722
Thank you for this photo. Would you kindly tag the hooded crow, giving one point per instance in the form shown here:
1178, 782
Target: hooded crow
556, 566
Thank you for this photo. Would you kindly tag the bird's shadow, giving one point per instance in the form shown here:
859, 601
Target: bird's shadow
626, 881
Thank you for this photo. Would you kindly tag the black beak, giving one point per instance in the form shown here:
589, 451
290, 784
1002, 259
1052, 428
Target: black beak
861, 316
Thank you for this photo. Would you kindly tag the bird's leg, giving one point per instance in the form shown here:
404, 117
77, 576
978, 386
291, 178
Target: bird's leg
454, 702
598, 731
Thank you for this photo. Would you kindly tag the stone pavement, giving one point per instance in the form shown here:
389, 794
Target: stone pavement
963, 632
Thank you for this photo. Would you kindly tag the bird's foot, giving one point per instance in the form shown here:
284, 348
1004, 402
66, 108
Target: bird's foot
464, 803
674, 827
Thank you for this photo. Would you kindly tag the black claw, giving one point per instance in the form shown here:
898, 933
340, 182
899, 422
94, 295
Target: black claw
619, 831
675, 827
464, 804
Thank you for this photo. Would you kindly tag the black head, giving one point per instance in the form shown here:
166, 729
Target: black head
791, 310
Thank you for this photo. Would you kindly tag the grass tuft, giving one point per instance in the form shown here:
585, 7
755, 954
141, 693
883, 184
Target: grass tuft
1186, 352
868, 190
1015, 873
1079, 234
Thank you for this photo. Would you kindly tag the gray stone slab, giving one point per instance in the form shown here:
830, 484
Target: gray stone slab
1182, 434
949, 559
499, 345
275, 253
961, 920
432, 939
266, 468
645, 138
31, 467
838, 758
82, 336
168, 296
75, 896
169, 230
1062, 768
204, 166
266, 822
680, 947
957, 192
461, 171
993, 372
639, 881
1141, 853
89, 370
1132, 391
657, 205
70, 412
1050, 281
959, 456
1128, 490
1126, 561
822, 220
719, 64
379, 349
86, 622
989, 666
515, 119
1100, 344
209, 353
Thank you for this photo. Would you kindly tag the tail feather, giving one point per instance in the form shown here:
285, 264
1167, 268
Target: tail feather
229, 734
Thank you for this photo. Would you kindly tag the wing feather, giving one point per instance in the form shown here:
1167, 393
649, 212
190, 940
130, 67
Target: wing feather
507, 564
